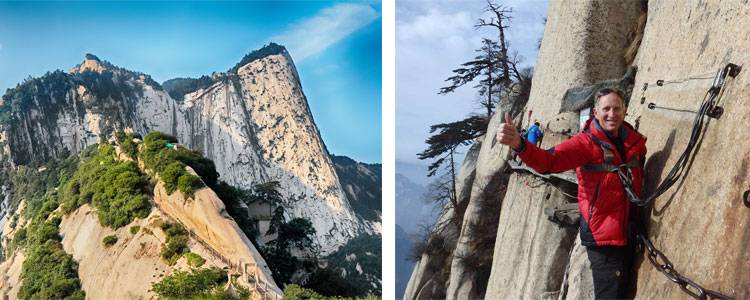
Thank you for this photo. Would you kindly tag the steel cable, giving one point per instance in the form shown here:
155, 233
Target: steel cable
656, 257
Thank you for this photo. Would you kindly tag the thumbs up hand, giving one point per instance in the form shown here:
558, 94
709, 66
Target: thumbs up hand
508, 135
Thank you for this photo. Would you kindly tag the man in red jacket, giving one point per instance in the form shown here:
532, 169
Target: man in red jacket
606, 146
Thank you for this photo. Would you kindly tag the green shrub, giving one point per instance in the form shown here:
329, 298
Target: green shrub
127, 146
331, 283
282, 263
117, 189
172, 229
134, 229
194, 260
367, 249
38, 187
154, 143
171, 175
197, 284
202, 166
109, 240
156, 136
179, 87
298, 233
19, 239
40, 232
188, 184
170, 164
235, 200
267, 50
48, 272
296, 292
39, 92
176, 244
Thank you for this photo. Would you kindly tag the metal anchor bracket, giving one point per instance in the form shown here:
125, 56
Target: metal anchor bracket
730, 70
734, 70
715, 112
654, 106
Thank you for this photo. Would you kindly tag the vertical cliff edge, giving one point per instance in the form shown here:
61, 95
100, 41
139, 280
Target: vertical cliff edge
666, 56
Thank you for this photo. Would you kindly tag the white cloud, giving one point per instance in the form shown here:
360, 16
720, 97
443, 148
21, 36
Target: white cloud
431, 40
330, 25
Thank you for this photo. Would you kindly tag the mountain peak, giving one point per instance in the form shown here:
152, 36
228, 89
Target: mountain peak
90, 63
267, 50
90, 56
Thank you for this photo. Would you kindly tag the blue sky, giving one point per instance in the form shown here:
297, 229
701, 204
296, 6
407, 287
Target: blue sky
336, 47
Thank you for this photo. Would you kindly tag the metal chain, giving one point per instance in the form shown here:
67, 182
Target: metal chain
656, 257
663, 265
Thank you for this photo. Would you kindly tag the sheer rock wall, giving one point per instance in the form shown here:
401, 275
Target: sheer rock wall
700, 224
255, 125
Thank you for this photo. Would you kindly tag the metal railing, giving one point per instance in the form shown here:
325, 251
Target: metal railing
247, 270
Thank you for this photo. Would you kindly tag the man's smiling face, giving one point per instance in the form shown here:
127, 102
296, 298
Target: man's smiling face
610, 112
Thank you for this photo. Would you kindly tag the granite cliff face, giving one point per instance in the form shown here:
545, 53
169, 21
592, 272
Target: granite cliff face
700, 224
361, 182
252, 121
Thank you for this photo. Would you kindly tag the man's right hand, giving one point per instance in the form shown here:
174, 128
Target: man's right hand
508, 135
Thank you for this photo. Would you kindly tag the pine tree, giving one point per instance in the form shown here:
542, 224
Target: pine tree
442, 146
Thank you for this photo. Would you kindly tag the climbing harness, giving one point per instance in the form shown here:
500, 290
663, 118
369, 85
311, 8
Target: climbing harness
710, 109
622, 170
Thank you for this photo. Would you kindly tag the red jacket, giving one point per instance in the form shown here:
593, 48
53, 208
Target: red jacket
605, 209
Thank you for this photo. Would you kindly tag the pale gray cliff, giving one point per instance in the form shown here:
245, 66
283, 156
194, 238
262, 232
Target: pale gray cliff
700, 224
252, 121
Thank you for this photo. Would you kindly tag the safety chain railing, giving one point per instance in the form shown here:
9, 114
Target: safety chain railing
662, 264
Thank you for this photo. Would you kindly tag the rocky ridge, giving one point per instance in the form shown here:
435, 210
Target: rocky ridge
213, 236
253, 122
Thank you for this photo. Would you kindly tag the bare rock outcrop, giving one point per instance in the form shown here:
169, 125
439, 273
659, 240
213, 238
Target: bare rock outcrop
472, 256
577, 282
429, 279
114, 266
213, 235
204, 216
11, 275
10, 268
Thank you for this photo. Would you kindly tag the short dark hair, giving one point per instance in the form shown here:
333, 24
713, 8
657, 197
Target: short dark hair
536, 123
606, 91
